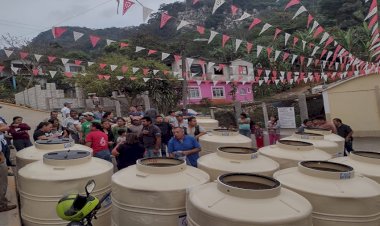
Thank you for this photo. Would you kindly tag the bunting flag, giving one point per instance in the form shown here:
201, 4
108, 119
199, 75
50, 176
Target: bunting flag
1, 68
90, 63
195, 2
151, 51
135, 69
77, 35
285, 57
255, 22
15, 70
52, 73
217, 4
292, 3
58, 31
212, 36
145, 71
324, 51
259, 49
102, 66
299, 11
269, 51
8, 52
123, 44
234, 9
113, 67
315, 25
199, 82
277, 32
155, 72
109, 42
265, 27
295, 41
94, 40
225, 38
287, 36
309, 19
164, 19
138, 49
77, 62
146, 13
261, 82
68, 74
38, 57
302, 58
23, 55
210, 65
201, 30
249, 47
164, 56
119, 77
237, 44
244, 16
329, 54
64, 60
318, 31
372, 12
182, 24
277, 54
35, 71
294, 58
52, 58
126, 5
177, 58
316, 48
189, 62
309, 61
329, 41
303, 45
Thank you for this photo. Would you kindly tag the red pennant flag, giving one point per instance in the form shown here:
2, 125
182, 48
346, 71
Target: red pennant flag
77, 62
127, 4
329, 41
316, 62
58, 31
324, 51
201, 30
221, 66
100, 77
292, 3
225, 39
151, 51
1, 68
94, 40
69, 74
286, 55
373, 5
372, 22
295, 40
35, 72
23, 55
123, 44
166, 72
318, 31
273, 79
302, 58
249, 47
145, 71
278, 31
195, 2
311, 45
269, 51
102, 66
255, 22
51, 58
309, 19
302, 75
274, 74
234, 9
201, 62
164, 19
259, 72
106, 77
124, 69
177, 58
133, 78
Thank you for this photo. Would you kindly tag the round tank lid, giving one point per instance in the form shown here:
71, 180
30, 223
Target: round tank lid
330, 170
225, 132
309, 136
247, 185
66, 157
238, 153
55, 141
318, 130
365, 156
295, 145
158, 165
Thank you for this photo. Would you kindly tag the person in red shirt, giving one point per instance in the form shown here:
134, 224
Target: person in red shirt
19, 132
98, 141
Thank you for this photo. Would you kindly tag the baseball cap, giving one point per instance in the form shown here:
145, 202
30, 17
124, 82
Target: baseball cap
88, 114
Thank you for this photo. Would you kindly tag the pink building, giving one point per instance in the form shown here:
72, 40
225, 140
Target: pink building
213, 81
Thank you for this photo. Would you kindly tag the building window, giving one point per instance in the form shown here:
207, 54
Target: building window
218, 92
75, 69
196, 70
243, 70
243, 91
194, 93
218, 71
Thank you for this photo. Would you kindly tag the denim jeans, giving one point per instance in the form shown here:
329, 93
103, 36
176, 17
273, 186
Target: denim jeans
245, 132
3, 181
149, 153
21, 144
7, 152
105, 155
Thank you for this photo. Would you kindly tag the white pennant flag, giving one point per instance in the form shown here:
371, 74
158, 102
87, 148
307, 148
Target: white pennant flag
336, 66
261, 82
324, 63
374, 40
135, 69
64, 61
164, 56
15, 69
282, 73
210, 65
218, 3
176, 74
305, 80
212, 36
89, 63
324, 38
294, 58
146, 79
77, 35
296, 73
267, 72
259, 49
228, 82
347, 66
214, 83
155, 71
113, 67
8, 52
316, 48
38, 57
291, 81
356, 73
282, 79
266, 79
303, 45
109, 42
341, 52
83, 74
287, 36
139, 48
299, 11
199, 82
237, 44
119, 77
315, 25
277, 54
189, 62
367, 71
244, 16
52, 73
265, 27
182, 24
374, 29
324, 76
344, 74
374, 47
329, 54
333, 74
277, 81
146, 13
296, 78
373, 12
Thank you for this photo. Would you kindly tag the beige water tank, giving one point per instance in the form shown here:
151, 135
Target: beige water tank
246, 200
41, 147
42, 184
319, 142
364, 162
330, 136
289, 152
208, 123
153, 192
339, 197
210, 142
236, 159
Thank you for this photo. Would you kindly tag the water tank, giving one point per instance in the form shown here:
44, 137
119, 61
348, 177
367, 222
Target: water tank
328, 136
41, 147
318, 141
339, 197
210, 142
42, 184
153, 192
289, 152
364, 162
246, 200
236, 159
208, 123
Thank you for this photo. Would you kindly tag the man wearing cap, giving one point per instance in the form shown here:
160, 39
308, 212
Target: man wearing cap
66, 110
86, 126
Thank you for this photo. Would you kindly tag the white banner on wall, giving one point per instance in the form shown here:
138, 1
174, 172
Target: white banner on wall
287, 117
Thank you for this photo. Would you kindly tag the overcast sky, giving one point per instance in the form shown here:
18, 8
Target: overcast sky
27, 18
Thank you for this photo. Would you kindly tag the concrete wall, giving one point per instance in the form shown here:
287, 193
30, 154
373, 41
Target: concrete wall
357, 103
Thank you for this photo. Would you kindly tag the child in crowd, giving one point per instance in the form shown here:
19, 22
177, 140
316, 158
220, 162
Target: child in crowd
259, 134
122, 136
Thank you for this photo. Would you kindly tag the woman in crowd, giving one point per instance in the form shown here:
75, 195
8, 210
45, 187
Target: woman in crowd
106, 128
273, 130
57, 130
244, 125
129, 152
108, 116
19, 132
120, 125
43, 131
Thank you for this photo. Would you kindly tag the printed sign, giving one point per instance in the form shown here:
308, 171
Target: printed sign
287, 117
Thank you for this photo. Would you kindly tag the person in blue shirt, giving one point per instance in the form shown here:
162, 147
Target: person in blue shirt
184, 147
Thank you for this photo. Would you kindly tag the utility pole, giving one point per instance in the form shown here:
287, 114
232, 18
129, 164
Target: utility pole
184, 82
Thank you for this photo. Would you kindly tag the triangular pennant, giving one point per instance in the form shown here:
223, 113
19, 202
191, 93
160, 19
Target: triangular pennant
261, 82
100, 77
126, 5
52, 58
217, 4
329, 41
64, 60
373, 5
155, 72
146, 13
269, 51
294, 58
123, 44
113, 67
164, 19
295, 41
177, 58
292, 3
318, 31
267, 72
276, 33
276, 54
124, 69
212, 36
182, 24
302, 58
189, 62
68, 74
259, 72
15, 69
89, 63
316, 48
38, 57
201, 30
303, 45
35, 71
309, 60
329, 54
145, 71
234, 9
225, 38
228, 82
286, 55
265, 27
23, 55
255, 22
8, 52
315, 25
102, 66
146, 79
237, 44
276, 81
324, 51
287, 36
309, 19
299, 11
119, 77
249, 47
324, 38
151, 51
52, 73
164, 56
135, 69
210, 65
371, 13
259, 49
199, 82
244, 16
138, 49
305, 80
77, 35
58, 31
94, 40
109, 42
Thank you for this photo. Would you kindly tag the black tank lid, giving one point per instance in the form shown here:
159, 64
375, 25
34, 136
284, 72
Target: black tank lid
67, 155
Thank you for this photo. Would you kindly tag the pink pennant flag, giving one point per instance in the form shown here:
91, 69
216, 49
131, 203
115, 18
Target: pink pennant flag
221, 66
1, 68
195, 2
269, 51
255, 22
124, 69
123, 44
295, 40
289, 75
286, 55
126, 5
249, 47
94, 40
324, 51
318, 31
23, 55
372, 22
277, 32
259, 72
51, 58
106, 77
201, 30
201, 62
316, 62
317, 76
302, 59
274, 74
133, 78
309, 19
77, 62
69, 74
100, 77
177, 58
166, 72
145, 71
329, 41
164, 19
373, 5
234, 9
151, 51
302, 75
102, 66
292, 3
225, 39
58, 31
35, 72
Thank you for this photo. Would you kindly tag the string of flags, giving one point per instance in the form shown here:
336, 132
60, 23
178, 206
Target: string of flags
373, 26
